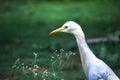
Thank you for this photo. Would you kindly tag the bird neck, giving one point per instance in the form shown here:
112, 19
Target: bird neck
87, 57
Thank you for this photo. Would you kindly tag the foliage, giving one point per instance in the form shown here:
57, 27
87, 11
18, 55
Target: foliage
58, 62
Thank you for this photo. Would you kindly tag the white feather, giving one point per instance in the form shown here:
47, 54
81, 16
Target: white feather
94, 68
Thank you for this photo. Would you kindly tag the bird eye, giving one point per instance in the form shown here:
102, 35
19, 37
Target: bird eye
66, 27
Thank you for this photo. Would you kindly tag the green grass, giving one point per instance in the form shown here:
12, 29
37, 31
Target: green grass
25, 27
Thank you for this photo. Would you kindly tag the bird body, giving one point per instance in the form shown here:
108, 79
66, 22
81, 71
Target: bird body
94, 68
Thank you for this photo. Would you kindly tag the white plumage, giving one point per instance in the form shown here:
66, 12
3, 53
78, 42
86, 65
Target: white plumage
94, 68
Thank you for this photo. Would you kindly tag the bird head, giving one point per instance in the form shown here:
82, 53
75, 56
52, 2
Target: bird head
70, 27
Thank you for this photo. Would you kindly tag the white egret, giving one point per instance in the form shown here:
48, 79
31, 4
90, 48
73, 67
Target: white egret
94, 68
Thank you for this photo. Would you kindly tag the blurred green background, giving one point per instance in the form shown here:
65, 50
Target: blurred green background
25, 27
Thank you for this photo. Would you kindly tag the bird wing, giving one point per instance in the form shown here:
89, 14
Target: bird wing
99, 75
101, 71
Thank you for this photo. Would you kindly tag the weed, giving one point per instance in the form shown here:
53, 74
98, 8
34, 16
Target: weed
58, 62
26, 69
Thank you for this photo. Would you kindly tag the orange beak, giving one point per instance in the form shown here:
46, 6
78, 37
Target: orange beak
56, 30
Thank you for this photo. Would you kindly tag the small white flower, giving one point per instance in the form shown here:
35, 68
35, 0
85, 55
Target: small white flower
55, 52
73, 53
17, 67
61, 50
70, 53
29, 69
58, 55
34, 70
22, 64
53, 74
36, 66
35, 74
44, 71
26, 67
52, 57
